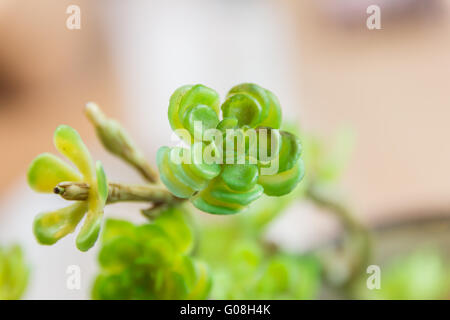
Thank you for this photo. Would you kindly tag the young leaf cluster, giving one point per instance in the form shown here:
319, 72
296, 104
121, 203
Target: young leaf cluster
235, 177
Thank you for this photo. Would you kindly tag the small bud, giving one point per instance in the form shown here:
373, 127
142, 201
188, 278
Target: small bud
117, 141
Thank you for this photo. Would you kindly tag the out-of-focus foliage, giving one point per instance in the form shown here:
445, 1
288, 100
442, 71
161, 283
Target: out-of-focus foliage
14, 273
245, 267
324, 163
423, 274
150, 261
260, 213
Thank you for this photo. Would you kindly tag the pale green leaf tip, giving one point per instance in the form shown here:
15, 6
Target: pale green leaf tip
88, 236
41, 232
69, 143
93, 112
63, 135
66, 132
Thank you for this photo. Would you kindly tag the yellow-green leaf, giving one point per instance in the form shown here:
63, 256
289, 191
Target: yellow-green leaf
47, 170
88, 234
49, 227
69, 143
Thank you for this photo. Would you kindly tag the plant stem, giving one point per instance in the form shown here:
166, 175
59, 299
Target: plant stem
359, 237
118, 193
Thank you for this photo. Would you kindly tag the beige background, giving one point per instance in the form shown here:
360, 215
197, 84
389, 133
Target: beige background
392, 87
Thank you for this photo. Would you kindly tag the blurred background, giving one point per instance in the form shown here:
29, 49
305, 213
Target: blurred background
389, 87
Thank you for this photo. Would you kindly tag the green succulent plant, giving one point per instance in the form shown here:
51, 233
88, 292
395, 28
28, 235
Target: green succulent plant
280, 277
14, 273
157, 260
244, 268
420, 275
150, 261
235, 178
46, 171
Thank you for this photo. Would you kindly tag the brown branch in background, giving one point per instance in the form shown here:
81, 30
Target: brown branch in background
358, 242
